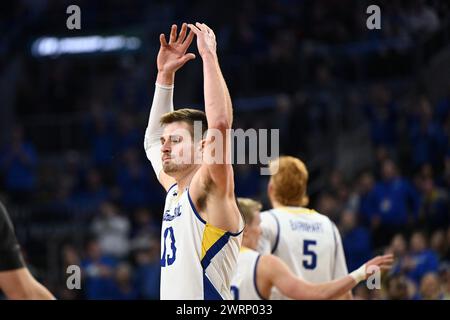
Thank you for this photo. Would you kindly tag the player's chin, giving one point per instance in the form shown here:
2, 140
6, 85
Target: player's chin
169, 167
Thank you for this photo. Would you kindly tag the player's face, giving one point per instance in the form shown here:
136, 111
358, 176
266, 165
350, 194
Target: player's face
254, 231
177, 148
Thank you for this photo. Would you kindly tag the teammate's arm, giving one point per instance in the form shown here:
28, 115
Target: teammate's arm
171, 57
272, 271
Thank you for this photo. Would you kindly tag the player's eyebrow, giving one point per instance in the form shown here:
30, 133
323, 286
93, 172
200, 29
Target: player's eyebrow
171, 137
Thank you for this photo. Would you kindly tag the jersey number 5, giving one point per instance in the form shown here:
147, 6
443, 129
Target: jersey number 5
168, 259
307, 251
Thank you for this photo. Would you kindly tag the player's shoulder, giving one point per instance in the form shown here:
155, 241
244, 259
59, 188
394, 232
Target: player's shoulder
246, 254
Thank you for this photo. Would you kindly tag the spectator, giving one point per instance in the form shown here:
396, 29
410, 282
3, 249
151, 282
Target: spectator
381, 113
111, 230
427, 137
97, 270
395, 204
102, 138
134, 182
355, 240
445, 280
397, 288
18, 162
94, 193
148, 269
422, 19
144, 223
430, 288
128, 134
365, 201
439, 244
434, 206
399, 248
70, 257
421, 260
124, 287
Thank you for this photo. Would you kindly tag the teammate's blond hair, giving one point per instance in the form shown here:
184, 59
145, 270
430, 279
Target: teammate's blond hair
248, 208
289, 178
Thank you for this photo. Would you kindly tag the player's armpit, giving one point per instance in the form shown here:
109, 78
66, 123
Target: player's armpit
216, 206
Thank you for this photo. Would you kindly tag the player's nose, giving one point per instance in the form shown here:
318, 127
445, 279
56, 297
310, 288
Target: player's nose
165, 147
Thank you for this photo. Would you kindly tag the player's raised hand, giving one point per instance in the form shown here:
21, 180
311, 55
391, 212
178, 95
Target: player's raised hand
206, 39
172, 56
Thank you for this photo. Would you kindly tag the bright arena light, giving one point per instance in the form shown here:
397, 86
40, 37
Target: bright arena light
52, 46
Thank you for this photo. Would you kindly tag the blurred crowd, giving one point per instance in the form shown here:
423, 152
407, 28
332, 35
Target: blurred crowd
347, 101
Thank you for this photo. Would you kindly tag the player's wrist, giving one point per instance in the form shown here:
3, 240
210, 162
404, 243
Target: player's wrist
165, 78
359, 274
209, 56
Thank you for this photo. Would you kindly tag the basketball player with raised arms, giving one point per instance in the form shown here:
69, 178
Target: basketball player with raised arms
258, 274
202, 225
307, 241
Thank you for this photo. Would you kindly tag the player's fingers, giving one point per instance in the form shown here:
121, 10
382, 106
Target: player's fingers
188, 40
173, 34
210, 31
162, 40
200, 26
187, 57
388, 260
194, 28
182, 34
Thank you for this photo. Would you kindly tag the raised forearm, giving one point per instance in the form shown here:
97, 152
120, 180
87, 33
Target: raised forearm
228, 97
162, 103
217, 100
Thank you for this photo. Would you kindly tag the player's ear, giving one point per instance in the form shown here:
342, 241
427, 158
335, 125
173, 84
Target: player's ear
245, 232
269, 188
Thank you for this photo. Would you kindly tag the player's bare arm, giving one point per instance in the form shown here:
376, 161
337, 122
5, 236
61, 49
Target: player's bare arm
19, 284
171, 57
212, 187
272, 271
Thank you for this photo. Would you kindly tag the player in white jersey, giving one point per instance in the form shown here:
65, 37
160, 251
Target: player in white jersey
257, 274
307, 241
201, 229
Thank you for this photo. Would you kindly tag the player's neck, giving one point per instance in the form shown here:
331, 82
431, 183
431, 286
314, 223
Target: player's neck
184, 180
276, 204
245, 244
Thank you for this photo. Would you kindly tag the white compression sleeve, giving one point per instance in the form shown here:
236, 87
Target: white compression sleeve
162, 103
359, 274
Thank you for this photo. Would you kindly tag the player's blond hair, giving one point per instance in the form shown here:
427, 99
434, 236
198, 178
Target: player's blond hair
289, 178
248, 208
186, 115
